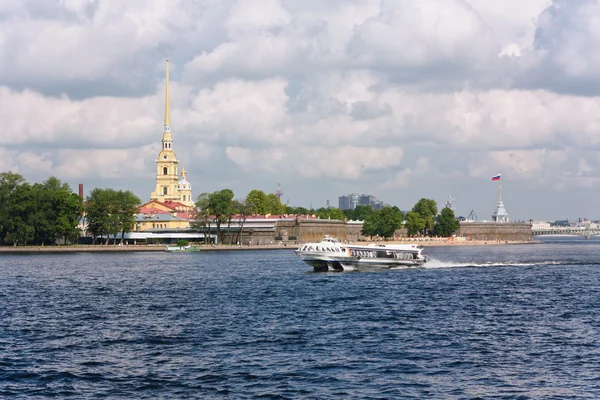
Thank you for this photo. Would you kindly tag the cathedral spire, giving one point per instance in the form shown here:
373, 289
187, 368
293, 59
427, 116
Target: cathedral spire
167, 109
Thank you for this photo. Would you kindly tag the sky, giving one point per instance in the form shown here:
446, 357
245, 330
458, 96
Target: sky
400, 99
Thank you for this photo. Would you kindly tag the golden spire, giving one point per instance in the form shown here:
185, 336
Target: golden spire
167, 111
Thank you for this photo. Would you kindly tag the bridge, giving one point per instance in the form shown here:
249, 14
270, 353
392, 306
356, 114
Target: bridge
585, 231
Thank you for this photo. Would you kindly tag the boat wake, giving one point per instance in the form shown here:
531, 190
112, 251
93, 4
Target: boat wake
437, 264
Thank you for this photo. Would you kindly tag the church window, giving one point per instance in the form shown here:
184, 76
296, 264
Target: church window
165, 190
165, 170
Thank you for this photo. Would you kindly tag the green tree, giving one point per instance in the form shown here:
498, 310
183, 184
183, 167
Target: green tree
21, 222
126, 208
57, 211
390, 219
447, 223
371, 225
244, 208
274, 205
9, 183
102, 213
296, 210
201, 219
414, 223
259, 202
362, 212
220, 204
336, 213
383, 222
427, 210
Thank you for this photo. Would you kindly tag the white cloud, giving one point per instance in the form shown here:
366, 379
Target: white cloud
360, 95
313, 162
418, 34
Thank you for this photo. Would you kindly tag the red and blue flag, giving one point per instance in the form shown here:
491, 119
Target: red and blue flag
496, 178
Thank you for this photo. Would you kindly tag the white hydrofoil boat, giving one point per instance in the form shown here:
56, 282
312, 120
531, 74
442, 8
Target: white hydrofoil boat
331, 255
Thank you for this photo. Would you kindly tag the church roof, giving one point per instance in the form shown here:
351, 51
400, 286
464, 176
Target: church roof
160, 217
162, 206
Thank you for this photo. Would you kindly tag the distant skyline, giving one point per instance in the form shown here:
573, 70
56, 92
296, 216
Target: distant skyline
401, 99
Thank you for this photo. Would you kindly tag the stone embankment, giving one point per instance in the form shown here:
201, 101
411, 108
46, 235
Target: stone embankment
149, 248
129, 248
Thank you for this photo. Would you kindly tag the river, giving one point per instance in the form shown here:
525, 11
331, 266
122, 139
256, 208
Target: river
484, 322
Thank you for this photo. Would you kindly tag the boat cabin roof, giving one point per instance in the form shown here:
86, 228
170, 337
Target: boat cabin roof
330, 239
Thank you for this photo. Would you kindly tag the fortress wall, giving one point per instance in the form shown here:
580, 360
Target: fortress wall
300, 230
496, 231
310, 230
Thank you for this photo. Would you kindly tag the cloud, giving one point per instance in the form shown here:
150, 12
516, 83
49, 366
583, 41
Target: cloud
314, 162
329, 97
563, 59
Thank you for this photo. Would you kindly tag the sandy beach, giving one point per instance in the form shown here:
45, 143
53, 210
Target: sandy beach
427, 242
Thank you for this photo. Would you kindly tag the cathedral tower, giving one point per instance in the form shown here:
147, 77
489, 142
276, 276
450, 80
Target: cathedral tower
168, 187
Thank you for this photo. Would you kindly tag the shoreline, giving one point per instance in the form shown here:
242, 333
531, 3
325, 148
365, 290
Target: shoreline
447, 242
161, 248
130, 248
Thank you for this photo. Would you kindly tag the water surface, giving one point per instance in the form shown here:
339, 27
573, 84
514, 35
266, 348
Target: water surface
478, 322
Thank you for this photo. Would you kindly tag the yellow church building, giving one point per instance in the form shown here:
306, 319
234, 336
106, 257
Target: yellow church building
168, 186
171, 202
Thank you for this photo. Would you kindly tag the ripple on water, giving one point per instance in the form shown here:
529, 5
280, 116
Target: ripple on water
510, 322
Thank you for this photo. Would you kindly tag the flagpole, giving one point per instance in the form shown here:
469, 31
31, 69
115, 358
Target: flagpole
500, 186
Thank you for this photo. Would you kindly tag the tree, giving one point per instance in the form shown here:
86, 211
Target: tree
447, 223
244, 207
102, 213
297, 210
427, 210
220, 204
9, 183
383, 222
201, 220
414, 223
274, 205
22, 207
57, 211
127, 208
371, 225
258, 199
390, 219
336, 213
362, 212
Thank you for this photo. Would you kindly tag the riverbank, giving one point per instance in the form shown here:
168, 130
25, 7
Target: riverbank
450, 242
129, 248
431, 242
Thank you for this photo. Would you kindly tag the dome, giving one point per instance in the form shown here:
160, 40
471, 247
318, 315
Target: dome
183, 183
500, 215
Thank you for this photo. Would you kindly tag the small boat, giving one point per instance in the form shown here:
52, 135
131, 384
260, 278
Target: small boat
183, 248
331, 255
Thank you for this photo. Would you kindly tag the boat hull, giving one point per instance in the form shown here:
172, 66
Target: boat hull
182, 248
332, 262
332, 255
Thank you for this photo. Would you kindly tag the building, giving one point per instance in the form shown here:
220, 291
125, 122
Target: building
169, 187
500, 214
171, 203
350, 201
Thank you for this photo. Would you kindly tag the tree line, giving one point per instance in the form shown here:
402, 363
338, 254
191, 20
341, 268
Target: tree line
422, 220
44, 213
218, 209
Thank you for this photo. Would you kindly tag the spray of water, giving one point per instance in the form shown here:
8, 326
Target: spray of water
433, 263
